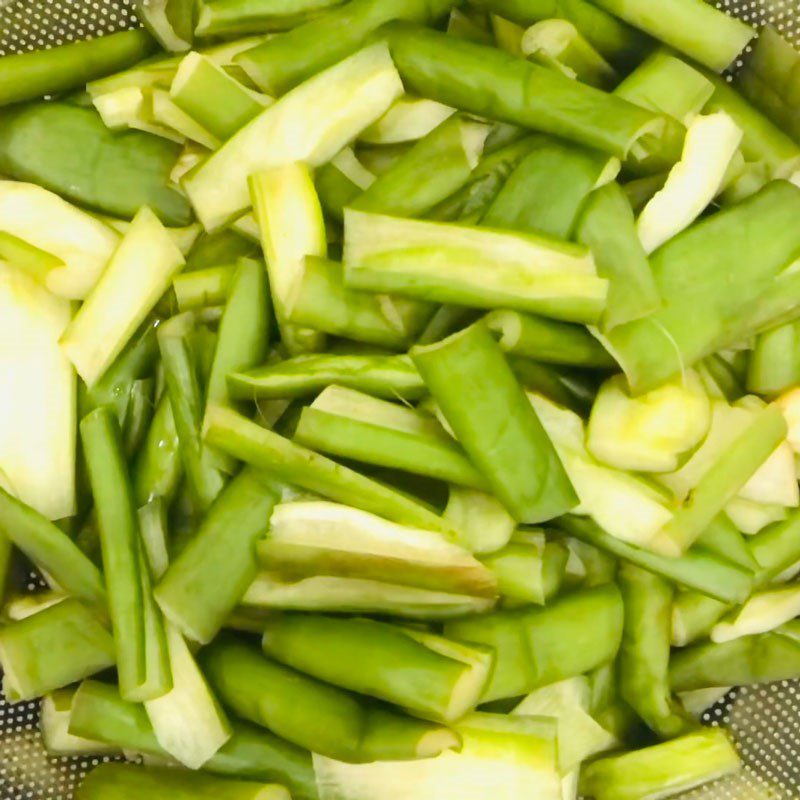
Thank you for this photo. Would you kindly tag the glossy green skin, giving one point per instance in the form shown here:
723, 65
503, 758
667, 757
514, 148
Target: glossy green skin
486, 407
203, 585
28, 76
534, 647
54, 648
158, 468
287, 60
696, 569
237, 17
774, 364
70, 151
305, 711
119, 538
644, 653
497, 85
252, 753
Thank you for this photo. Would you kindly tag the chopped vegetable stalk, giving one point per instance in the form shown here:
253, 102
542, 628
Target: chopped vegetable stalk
392, 377
51, 550
251, 753
324, 303
312, 714
126, 108
203, 585
763, 612
340, 595
205, 480
558, 43
310, 538
236, 17
54, 723
663, 769
501, 757
345, 99
75, 246
243, 333
285, 61
38, 407
158, 469
135, 165
490, 83
51, 649
340, 181
448, 263
547, 189
138, 274
724, 539
445, 679
618, 42
652, 432
362, 434
668, 85
116, 781
774, 364
698, 317
32, 75
200, 288
693, 617
579, 735
481, 521
677, 22
288, 461
728, 475
170, 21
409, 119
120, 544
606, 226
711, 142
529, 568
161, 107
210, 96
436, 166
547, 340
766, 657
507, 35
292, 227
644, 652
696, 569
535, 647
468, 26
511, 449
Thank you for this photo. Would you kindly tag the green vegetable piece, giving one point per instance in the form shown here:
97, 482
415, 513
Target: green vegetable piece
507, 89
205, 480
447, 263
351, 425
118, 781
285, 61
250, 754
392, 377
697, 319
548, 188
529, 569
409, 119
696, 569
330, 110
201, 288
170, 21
113, 173
237, 17
504, 446
535, 647
673, 767
288, 461
547, 340
644, 652
55, 714
774, 364
332, 723
676, 23
607, 228
29, 76
51, 649
482, 523
158, 469
435, 167
120, 543
445, 678
340, 181
621, 44
193, 593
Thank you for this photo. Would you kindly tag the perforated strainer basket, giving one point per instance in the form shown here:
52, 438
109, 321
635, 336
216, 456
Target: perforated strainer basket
763, 720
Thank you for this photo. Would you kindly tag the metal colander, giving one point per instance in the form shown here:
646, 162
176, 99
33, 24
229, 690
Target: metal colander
763, 720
